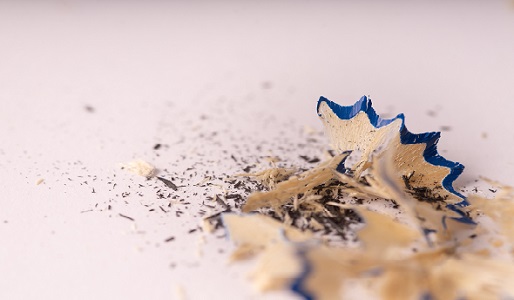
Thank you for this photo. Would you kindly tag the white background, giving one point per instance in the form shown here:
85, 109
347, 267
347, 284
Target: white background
150, 68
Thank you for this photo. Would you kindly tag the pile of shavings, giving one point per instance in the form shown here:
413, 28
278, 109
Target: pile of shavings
435, 244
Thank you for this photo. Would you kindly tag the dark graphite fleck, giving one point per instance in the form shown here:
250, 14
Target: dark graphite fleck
310, 160
126, 217
168, 183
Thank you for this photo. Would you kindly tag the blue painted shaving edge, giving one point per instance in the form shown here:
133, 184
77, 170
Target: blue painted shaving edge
406, 137
298, 285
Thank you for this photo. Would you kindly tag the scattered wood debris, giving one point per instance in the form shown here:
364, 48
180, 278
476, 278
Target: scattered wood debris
140, 167
302, 184
270, 177
317, 230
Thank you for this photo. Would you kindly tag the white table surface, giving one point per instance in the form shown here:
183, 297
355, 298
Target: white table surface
254, 71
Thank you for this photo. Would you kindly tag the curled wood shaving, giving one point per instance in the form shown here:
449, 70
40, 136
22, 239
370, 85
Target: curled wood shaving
429, 255
301, 184
382, 233
258, 230
276, 267
270, 177
500, 209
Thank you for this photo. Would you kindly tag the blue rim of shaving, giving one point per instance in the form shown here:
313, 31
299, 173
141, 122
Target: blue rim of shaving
298, 284
430, 153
